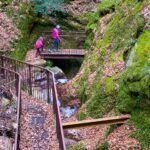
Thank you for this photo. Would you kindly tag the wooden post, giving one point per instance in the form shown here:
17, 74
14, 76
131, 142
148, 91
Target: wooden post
94, 122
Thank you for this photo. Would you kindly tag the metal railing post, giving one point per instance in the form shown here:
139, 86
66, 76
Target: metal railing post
2, 64
48, 87
60, 134
30, 80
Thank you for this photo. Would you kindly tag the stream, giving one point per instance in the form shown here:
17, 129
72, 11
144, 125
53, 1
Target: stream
64, 70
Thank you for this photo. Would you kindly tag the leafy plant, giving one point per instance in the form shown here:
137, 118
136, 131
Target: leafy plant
47, 7
104, 146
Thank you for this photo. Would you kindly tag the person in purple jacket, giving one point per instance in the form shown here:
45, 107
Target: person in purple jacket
39, 46
56, 39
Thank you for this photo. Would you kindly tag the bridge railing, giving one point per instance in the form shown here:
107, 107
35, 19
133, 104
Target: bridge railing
11, 85
40, 83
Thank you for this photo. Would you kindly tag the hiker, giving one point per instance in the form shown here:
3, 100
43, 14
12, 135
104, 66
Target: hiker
39, 46
56, 39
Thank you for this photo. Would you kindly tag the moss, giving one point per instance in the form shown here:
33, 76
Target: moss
23, 44
107, 6
141, 120
121, 35
89, 41
81, 116
135, 82
92, 21
109, 85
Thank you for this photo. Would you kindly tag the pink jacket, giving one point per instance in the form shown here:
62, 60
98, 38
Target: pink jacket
39, 43
55, 34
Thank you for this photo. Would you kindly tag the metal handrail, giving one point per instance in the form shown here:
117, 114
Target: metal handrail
29, 77
18, 94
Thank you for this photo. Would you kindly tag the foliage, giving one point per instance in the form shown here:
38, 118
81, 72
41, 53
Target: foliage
78, 146
49, 64
121, 35
141, 120
128, 91
134, 88
92, 21
81, 116
89, 41
22, 45
4, 3
107, 6
104, 146
47, 7
110, 129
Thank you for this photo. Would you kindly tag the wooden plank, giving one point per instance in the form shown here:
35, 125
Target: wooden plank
94, 122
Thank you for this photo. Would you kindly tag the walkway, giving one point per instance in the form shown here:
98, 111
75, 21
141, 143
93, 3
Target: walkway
38, 129
64, 54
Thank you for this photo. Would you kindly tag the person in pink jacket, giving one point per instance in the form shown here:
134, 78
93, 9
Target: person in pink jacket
39, 46
56, 39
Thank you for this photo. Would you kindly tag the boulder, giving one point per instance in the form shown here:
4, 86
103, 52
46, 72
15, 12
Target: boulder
58, 73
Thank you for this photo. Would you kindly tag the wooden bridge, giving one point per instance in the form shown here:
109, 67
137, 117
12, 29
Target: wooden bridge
64, 54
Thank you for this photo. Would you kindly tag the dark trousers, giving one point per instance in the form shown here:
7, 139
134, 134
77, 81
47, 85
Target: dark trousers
38, 51
55, 45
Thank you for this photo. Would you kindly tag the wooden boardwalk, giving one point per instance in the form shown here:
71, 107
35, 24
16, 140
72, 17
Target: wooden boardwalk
64, 54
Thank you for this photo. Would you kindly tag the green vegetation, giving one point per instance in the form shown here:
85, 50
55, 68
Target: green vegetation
78, 146
23, 44
107, 6
134, 93
135, 82
47, 7
121, 61
104, 146
110, 129
141, 120
81, 116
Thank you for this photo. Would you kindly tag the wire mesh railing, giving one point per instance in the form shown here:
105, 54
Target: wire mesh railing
40, 83
10, 88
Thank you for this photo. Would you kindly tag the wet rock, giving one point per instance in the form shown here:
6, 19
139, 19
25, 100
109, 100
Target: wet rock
61, 81
73, 134
68, 111
5, 143
58, 73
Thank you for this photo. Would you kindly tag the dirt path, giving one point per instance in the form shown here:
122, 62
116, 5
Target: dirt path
32, 59
38, 129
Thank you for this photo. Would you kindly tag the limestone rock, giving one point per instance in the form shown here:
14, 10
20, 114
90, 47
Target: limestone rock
58, 73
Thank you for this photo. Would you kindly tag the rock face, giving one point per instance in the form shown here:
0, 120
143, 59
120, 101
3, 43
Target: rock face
58, 73
8, 32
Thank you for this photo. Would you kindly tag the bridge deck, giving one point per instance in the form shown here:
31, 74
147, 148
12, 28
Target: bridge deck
64, 54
